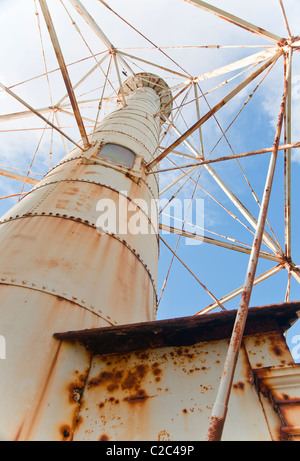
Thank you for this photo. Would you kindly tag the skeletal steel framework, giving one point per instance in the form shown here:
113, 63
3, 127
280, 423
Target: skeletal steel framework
182, 157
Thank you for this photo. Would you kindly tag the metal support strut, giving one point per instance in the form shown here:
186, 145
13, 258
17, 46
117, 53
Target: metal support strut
221, 404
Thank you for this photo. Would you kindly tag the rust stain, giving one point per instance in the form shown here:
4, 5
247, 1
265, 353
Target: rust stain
65, 431
19, 432
156, 371
215, 429
163, 435
111, 378
240, 386
277, 351
71, 191
43, 393
120, 379
142, 370
75, 389
142, 355
139, 397
62, 204
75, 392
130, 381
103, 438
79, 421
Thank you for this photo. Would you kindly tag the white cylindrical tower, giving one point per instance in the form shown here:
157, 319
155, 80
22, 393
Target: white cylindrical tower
81, 249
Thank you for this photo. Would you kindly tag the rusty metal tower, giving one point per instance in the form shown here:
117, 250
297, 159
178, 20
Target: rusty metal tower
79, 287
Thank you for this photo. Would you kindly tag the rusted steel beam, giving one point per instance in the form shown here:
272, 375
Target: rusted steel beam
294, 270
221, 404
89, 19
177, 180
216, 242
64, 72
287, 169
92, 23
119, 79
236, 20
199, 116
256, 58
213, 111
36, 112
285, 19
18, 177
23, 114
13, 195
238, 291
267, 150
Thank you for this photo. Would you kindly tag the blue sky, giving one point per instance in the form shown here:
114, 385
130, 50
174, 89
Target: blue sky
168, 23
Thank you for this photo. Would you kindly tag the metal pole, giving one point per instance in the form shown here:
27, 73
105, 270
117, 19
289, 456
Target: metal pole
267, 150
235, 20
19, 177
287, 171
204, 239
221, 405
64, 72
238, 291
92, 23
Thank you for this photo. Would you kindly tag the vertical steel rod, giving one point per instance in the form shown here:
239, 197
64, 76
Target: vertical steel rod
287, 170
199, 116
221, 404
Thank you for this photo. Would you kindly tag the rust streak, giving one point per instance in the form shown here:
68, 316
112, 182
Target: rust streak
47, 380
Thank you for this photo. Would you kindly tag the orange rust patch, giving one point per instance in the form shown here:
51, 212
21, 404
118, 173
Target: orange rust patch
240, 385
163, 435
106, 377
277, 351
139, 397
130, 379
65, 431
